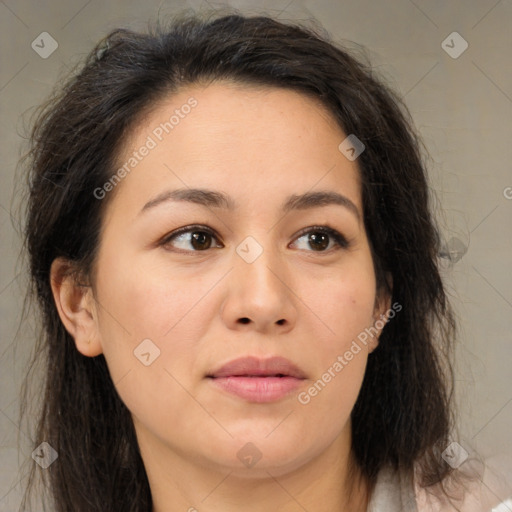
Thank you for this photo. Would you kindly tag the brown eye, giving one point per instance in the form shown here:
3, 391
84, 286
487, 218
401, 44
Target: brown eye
190, 239
319, 238
319, 241
200, 240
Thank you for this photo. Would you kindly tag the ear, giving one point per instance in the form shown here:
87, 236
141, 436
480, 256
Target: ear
381, 311
76, 307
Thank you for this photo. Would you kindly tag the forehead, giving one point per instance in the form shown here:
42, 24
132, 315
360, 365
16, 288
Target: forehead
250, 141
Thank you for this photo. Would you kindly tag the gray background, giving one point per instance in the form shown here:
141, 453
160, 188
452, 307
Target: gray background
461, 106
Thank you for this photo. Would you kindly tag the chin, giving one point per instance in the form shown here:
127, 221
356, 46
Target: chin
252, 455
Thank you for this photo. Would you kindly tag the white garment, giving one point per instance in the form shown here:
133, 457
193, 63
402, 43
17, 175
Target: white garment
490, 490
393, 492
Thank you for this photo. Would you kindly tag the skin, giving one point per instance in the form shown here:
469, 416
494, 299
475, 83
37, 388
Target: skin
308, 304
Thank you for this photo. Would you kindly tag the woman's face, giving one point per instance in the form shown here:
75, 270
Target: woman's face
253, 276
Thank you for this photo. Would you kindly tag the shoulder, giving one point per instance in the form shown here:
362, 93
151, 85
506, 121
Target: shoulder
394, 490
476, 486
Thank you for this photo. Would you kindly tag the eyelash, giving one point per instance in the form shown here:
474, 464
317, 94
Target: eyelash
338, 238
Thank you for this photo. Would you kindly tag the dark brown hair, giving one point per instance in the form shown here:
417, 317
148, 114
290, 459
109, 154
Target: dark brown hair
402, 415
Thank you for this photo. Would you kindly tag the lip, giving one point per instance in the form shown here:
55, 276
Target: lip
258, 380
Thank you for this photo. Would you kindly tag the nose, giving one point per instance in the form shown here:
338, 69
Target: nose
260, 296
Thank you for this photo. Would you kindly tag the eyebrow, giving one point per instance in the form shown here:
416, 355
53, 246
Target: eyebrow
219, 200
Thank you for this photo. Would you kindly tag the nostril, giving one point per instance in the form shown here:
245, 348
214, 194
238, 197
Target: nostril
281, 322
244, 320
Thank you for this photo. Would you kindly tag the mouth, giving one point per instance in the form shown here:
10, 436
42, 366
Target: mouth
258, 380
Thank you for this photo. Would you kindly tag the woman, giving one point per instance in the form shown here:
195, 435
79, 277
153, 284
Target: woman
230, 240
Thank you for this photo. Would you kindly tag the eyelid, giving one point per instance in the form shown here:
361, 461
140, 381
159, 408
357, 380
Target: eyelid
339, 239
186, 229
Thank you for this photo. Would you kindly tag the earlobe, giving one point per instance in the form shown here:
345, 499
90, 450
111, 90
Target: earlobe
379, 323
381, 311
76, 308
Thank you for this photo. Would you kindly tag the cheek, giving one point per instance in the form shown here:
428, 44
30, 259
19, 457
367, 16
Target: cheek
149, 336
147, 301
341, 356
348, 306
341, 353
142, 312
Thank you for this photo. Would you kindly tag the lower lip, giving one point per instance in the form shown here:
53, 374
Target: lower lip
258, 389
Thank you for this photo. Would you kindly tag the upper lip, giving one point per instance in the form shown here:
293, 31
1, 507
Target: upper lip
255, 366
